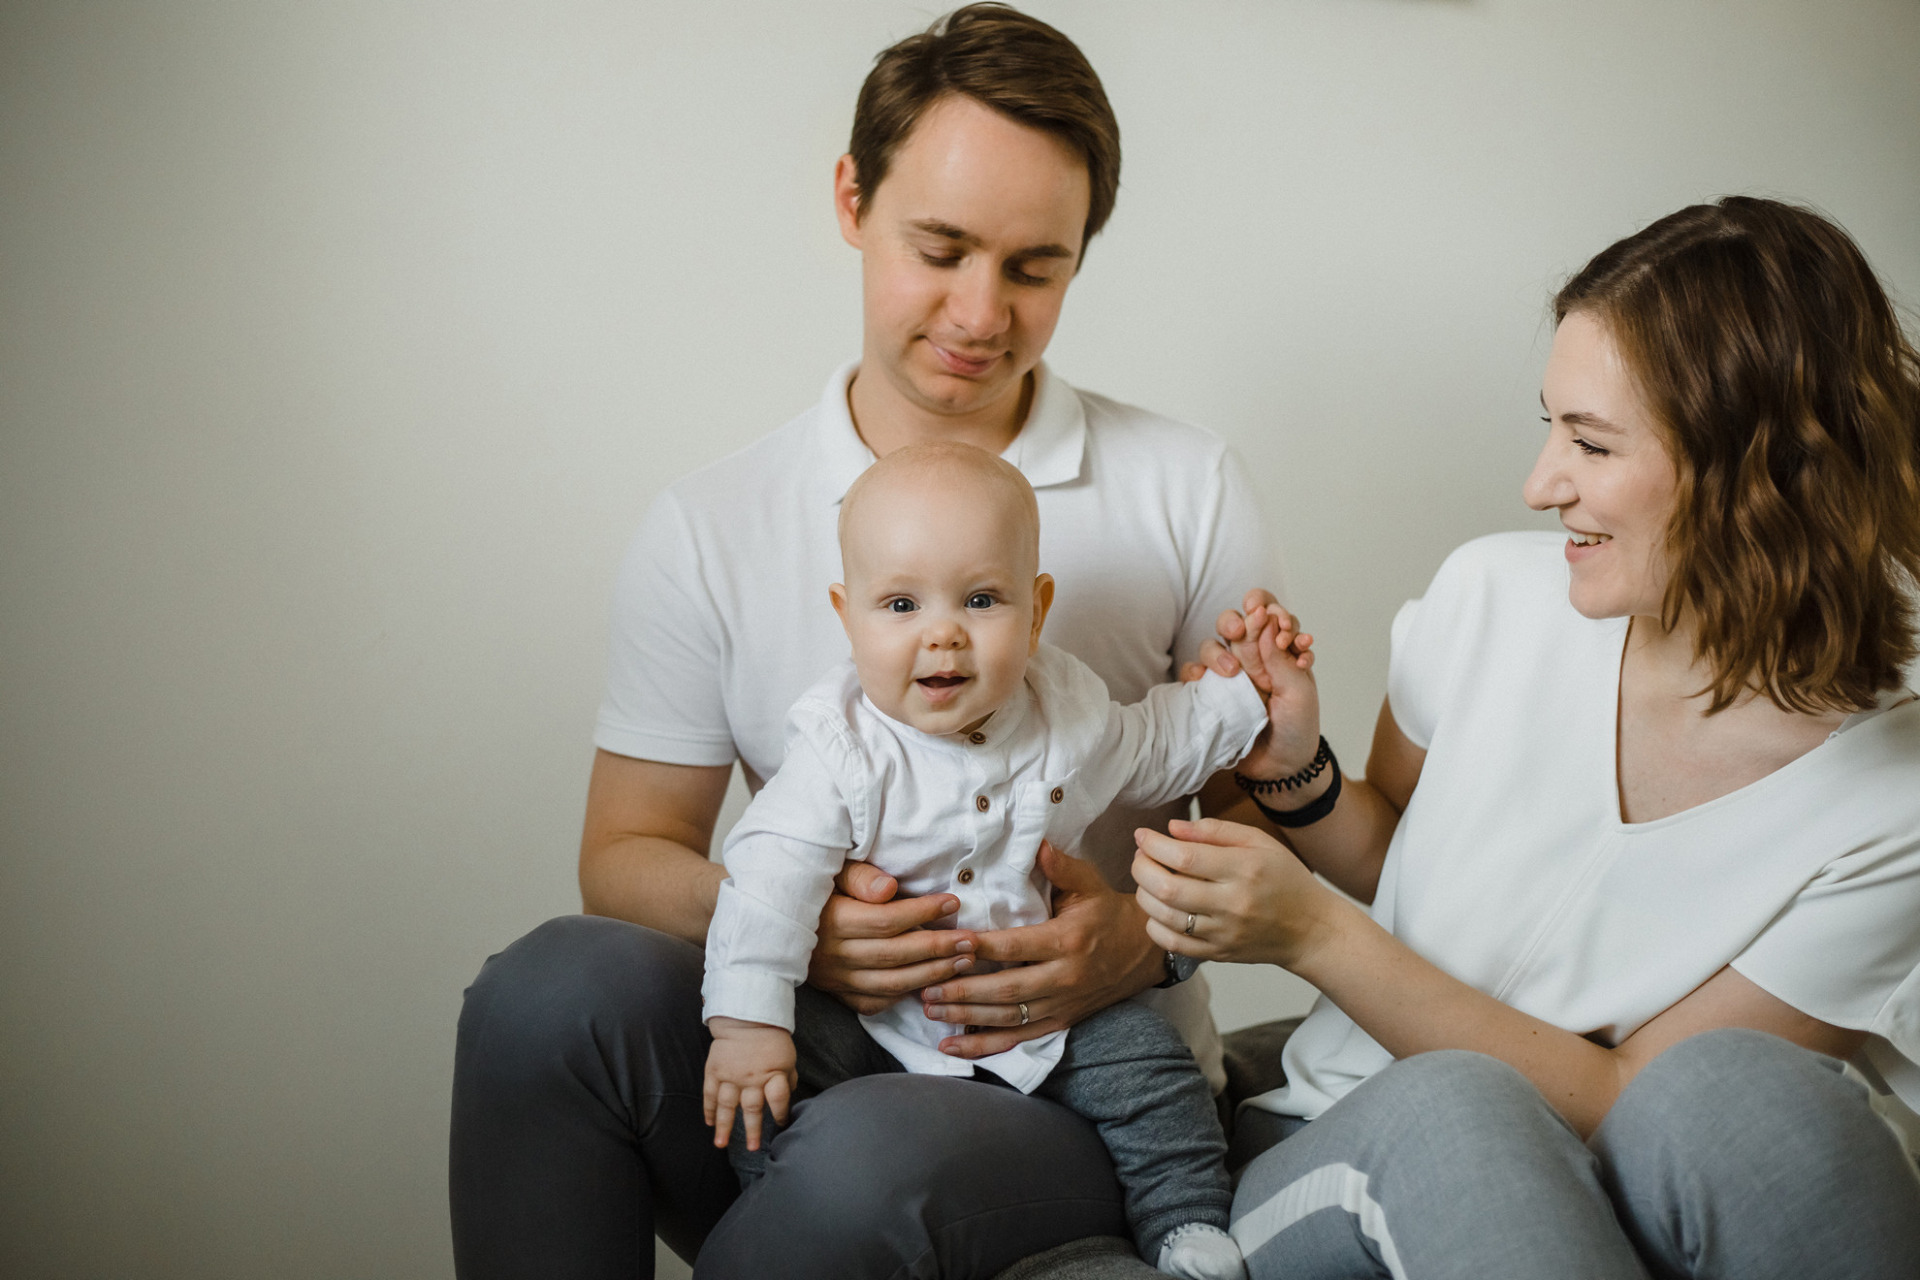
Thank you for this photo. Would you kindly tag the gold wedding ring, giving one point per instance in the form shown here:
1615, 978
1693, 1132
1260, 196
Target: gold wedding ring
1189, 928
1024, 1017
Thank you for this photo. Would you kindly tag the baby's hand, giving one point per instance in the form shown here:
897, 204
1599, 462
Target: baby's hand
1268, 645
1248, 635
750, 1068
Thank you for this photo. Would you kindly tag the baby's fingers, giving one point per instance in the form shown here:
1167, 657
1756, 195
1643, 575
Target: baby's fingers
779, 1091
726, 1099
752, 1107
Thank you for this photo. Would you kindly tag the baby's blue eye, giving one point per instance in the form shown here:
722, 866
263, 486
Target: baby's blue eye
900, 604
981, 600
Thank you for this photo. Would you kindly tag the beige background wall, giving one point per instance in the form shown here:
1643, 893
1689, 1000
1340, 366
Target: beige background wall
342, 346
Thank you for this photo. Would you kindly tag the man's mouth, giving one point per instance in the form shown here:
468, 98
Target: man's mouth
959, 363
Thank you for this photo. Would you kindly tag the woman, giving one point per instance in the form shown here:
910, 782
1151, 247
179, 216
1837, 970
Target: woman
1638, 831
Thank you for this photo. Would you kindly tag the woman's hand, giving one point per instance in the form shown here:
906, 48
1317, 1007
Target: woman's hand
1248, 898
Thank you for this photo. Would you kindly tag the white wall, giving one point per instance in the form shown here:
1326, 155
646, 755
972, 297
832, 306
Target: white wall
342, 346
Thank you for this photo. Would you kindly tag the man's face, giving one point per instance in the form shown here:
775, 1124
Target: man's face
941, 602
967, 247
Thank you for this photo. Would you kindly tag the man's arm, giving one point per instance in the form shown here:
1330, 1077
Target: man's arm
643, 853
643, 857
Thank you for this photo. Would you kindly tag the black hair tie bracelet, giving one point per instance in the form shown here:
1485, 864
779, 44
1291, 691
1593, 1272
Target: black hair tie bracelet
1307, 815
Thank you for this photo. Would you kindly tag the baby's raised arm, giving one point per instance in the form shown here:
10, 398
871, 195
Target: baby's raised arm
1266, 642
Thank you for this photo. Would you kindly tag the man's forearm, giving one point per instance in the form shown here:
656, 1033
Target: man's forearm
652, 881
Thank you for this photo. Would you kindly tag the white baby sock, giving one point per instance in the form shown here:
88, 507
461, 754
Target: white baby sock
1200, 1252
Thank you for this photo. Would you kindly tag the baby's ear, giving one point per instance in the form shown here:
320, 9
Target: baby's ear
1042, 601
838, 594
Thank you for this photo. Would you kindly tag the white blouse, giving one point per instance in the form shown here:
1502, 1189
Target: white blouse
1512, 870
955, 814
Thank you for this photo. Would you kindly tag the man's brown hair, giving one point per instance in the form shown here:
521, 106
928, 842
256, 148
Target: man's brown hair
1790, 398
1003, 59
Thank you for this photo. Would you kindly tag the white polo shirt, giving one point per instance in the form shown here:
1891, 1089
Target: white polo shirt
949, 813
721, 619
1512, 870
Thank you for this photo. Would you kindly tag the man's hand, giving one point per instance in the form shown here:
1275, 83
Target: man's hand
873, 950
749, 1068
1093, 952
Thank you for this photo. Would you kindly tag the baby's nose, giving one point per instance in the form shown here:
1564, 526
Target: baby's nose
945, 635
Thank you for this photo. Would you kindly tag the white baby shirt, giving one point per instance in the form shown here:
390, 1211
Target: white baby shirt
949, 814
1512, 870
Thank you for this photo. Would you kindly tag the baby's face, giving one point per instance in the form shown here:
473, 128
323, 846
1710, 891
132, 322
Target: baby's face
941, 602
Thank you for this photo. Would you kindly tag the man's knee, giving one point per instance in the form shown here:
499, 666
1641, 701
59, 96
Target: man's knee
577, 976
885, 1174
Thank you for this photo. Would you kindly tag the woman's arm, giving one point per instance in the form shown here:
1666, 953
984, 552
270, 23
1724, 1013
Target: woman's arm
1349, 845
1254, 902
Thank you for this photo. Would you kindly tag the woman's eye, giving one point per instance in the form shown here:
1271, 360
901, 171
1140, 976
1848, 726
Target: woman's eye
900, 604
1591, 450
980, 600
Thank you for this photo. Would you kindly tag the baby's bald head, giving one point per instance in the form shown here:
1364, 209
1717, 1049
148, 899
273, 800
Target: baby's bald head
943, 600
921, 480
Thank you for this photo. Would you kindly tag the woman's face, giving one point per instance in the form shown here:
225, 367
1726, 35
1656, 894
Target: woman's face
1606, 471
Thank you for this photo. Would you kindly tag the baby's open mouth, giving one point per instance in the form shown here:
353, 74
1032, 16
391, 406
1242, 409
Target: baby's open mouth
941, 682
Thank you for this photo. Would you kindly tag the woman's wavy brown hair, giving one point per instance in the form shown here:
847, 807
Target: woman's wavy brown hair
1790, 397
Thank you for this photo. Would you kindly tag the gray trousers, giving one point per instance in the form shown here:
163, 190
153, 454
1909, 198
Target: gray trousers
577, 1135
1733, 1154
1124, 1068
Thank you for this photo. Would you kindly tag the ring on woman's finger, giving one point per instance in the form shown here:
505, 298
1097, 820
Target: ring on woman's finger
1189, 929
1025, 1017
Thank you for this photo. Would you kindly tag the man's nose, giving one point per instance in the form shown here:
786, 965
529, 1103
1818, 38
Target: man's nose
977, 304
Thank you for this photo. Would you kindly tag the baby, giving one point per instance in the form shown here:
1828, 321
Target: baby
944, 753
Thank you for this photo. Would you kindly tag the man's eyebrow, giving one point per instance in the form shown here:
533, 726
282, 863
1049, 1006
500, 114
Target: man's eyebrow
960, 235
946, 231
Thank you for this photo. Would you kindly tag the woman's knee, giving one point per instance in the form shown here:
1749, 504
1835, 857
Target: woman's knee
1736, 1152
1455, 1094
1693, 1095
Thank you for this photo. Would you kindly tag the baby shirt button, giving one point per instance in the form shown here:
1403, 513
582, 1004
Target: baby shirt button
965, 876
982, 803
1058, 795
976, 737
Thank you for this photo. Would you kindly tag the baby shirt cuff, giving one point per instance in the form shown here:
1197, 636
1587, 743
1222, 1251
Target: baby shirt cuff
748, 996
1238, 706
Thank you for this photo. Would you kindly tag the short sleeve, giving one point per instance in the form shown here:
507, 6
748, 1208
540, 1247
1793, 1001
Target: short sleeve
1865, 908
1231, 556
1427, 635
664, 700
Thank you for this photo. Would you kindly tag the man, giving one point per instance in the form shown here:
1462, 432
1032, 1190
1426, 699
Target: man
984, 157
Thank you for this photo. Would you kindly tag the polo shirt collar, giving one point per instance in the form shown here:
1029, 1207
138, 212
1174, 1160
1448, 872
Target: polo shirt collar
1048, 450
